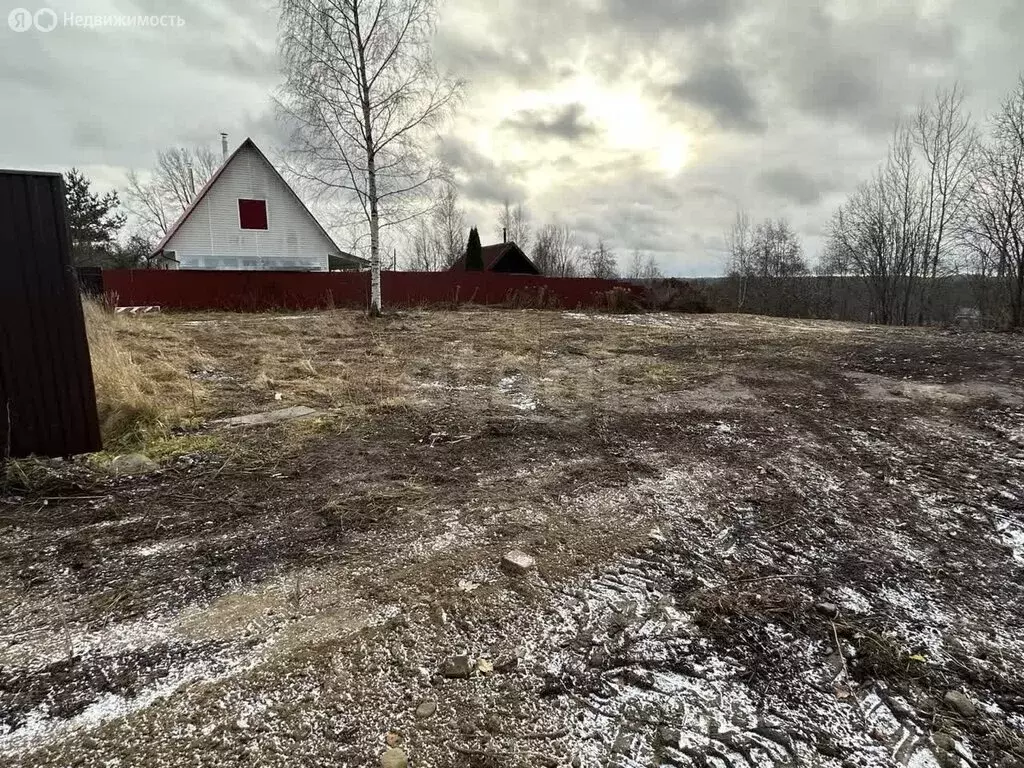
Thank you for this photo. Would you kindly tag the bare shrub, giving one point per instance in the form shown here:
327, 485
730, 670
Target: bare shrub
672, 295
620, 301
540, 297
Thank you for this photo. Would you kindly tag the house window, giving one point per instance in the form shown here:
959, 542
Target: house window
252, 214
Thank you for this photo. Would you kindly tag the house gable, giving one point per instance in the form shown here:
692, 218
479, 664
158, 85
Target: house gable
248, 217
513, 261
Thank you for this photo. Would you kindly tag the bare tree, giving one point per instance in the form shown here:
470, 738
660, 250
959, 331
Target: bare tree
947, 140
158, 199
774, 250
449, 223
361, 96
904, 205
899, 232
858, 240
778, 264
881, 232
995, 228
557, 252
651, 269
424, 252
514, 221
635, 270
740, 268
765, 264
601, 262
437, 241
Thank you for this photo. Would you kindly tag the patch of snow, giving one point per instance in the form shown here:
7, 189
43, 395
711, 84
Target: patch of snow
454, 534
1011, 534
512, 386
46, 646
40, 728
160, 547
852, 600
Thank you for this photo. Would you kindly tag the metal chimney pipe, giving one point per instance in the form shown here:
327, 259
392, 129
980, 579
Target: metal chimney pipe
224, 146
504, 234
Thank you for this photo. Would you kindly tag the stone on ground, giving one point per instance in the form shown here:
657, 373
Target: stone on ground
506, 662
831, 610
394, 758
132, 464
960, 703
518, 562
426, 709
457, 666
269, 417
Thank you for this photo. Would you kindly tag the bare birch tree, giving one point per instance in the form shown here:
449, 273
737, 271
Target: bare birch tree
651, 270
363, 100
424, 249
738, 242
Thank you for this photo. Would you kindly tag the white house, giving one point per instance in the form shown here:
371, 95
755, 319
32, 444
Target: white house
248, 217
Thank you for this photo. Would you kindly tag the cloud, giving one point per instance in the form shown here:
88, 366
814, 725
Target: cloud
477, 60
866, 69
658, 17
719, 89
566, 122
480, 179
793, 185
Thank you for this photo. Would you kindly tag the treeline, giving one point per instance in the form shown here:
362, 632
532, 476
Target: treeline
937, 231
951, 300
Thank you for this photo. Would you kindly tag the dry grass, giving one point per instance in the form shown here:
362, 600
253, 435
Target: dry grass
156, 372
139, 399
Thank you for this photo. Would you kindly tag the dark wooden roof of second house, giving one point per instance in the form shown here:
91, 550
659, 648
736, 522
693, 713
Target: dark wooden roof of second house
502, 257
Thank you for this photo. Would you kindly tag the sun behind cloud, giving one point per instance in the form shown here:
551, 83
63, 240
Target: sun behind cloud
674, 155
612, 119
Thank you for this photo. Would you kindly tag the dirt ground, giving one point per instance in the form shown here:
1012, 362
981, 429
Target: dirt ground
758, 542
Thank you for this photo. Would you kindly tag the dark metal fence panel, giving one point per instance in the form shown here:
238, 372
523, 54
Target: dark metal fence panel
47, 397
90, 280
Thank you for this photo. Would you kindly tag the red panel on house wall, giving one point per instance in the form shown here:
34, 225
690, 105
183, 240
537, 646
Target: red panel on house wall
252, 214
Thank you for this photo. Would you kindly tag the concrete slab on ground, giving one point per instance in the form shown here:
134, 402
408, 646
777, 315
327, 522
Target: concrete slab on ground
269, 417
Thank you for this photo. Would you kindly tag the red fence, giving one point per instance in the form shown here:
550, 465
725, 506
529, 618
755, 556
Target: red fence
253, 291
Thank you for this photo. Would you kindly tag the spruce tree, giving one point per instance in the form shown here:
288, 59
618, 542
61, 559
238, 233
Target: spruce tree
93, 219
474, 252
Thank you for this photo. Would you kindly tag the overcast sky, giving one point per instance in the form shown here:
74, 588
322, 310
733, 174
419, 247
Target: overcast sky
644, 122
